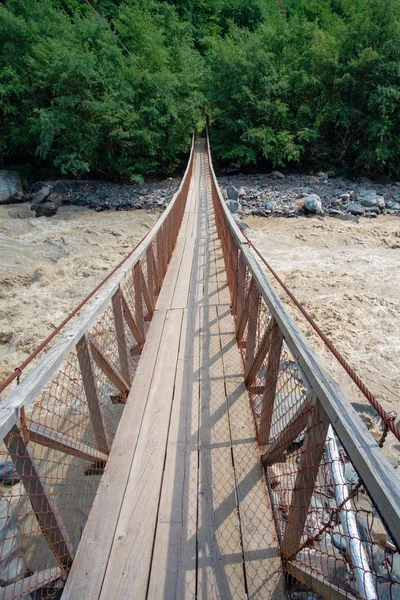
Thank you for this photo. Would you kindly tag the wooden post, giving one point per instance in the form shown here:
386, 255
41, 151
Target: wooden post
139, 318
157, 279
130, 321
253, 368
89, 385
40, 498
121, 338
271, 379
160, 256
23, 588
165, 250
241, 286
289, 433
146, 295
45, 436
312, 451
234, 282
252, 322
150, 273
244, 314
170, 236
106, 365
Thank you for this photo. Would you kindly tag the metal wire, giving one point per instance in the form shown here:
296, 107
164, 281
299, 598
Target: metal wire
16, 374
388, 420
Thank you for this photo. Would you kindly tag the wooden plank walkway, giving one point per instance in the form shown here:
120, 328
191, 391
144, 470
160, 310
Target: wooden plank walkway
182, 510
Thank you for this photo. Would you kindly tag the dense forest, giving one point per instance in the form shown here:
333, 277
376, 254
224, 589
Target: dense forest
118, 90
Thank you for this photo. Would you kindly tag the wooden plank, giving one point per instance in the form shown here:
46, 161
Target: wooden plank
121, 338
165, 299
87, 573
106, 365
130, 321
42, 502
129, 562
173, 571
184, 224
23, 587
196, 289
316, 582
94, 405
273, 451
146, 296
264, 574
310, 458
223, 289
211, 290
34, 382
219, 574
271, 379
45, 436
181, 291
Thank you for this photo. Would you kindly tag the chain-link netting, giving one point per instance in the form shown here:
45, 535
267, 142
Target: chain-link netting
57, 448
332, 536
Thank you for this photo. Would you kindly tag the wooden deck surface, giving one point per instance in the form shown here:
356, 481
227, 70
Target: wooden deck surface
182, 510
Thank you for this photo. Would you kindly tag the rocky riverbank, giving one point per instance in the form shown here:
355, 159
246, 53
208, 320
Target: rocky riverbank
295, 195
45, 198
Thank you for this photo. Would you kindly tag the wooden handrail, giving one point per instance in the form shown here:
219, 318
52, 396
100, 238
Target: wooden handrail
24, 394
374, 468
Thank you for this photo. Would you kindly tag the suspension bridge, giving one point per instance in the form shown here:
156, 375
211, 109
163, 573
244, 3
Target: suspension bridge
181, 440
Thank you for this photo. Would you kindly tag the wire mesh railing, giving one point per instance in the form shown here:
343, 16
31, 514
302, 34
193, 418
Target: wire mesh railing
59, 423
334, 494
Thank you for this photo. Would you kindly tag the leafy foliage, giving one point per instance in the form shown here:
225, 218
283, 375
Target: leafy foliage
317, 84
70, 95
313, 83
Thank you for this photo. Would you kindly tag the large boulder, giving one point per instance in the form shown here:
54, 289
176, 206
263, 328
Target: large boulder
373, 200
270, 205
233, 193
46, 209
234, 206
355, 209
393, 204
313, 204
40, 196
10, 188
56, 199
